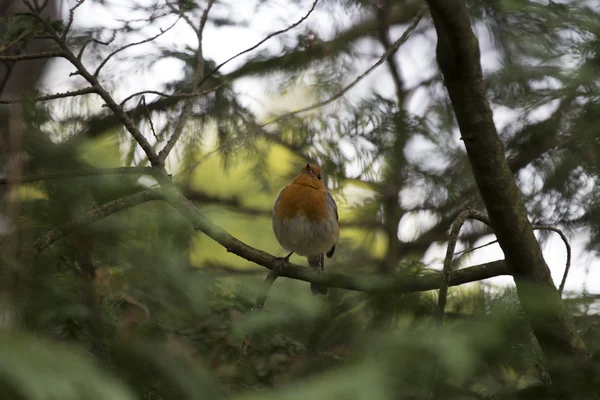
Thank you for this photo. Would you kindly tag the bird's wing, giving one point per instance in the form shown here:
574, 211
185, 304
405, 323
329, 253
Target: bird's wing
331, 204
278, 197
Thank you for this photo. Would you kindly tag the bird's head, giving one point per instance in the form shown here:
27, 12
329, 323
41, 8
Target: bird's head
310, 175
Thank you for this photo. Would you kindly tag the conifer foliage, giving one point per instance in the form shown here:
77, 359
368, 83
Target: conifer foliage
142, 151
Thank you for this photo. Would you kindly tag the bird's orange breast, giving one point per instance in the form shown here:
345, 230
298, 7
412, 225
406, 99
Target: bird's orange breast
298, 199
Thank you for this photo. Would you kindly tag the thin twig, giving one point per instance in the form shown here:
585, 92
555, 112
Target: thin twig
447, 269
70, 21
186, 112
471, 249
54, 96
147, 112
260, 303
120, 49
341, 93
32, 56
174, 96
182, 15
568, 248
100, 42
249, 49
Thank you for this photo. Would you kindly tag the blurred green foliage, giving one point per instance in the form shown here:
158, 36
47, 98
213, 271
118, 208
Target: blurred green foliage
139, 305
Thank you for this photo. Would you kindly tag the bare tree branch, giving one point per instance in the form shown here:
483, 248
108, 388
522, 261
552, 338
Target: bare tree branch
120, 49
249, 49
299, 58
32, 56
173, 96
182, 15
391, 50
100, 42
110, 102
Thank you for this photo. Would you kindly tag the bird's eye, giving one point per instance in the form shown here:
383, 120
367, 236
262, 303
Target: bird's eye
319, 176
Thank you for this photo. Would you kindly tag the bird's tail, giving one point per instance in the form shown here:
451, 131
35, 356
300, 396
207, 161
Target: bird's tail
317, 262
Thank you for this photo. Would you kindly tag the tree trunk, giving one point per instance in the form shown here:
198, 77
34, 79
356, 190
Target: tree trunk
459, 60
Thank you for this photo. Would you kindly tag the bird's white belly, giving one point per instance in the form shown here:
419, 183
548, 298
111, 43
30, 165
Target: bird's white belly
305, 237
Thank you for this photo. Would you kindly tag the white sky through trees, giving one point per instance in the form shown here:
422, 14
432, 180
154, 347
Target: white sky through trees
416, 59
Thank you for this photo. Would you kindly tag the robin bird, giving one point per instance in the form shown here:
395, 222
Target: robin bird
305, 220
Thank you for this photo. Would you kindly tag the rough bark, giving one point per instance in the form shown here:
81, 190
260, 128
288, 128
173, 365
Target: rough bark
459, 60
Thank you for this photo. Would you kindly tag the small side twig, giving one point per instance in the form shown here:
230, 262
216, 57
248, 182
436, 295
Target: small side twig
148, 117
260, 303
447, 269
120, 49
182, 14
73, 93
174, 96
70, 21
98, 41
32, 56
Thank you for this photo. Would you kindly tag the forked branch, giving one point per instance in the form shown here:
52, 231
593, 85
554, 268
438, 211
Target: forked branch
447, 269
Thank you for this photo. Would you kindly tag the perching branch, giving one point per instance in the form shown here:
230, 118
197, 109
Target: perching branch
391, 50
373, 283
398, 283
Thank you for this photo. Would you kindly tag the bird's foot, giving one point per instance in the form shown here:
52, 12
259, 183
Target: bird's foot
280, 262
